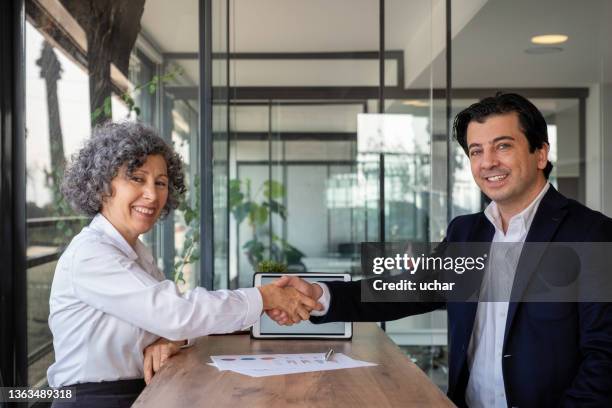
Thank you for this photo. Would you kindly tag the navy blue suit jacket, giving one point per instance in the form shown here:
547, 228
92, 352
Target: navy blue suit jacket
554, 354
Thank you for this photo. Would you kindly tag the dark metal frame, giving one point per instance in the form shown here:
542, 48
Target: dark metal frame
207, 260
396, 55
381, 109
449, 110
294, 136
355, 93
228, 127
13, 322
270, 175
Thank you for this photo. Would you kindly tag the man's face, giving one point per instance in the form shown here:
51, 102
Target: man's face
500, 160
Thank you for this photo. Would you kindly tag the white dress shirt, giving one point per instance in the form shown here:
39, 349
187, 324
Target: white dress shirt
486, 383
109, 301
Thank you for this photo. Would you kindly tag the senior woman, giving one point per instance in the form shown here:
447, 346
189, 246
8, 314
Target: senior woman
113, 315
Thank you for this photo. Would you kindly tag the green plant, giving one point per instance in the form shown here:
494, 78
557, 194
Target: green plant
127, 97
257, 209
65, 229
191, 246
271, 267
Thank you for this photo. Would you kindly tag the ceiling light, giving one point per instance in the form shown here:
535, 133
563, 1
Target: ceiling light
549, 39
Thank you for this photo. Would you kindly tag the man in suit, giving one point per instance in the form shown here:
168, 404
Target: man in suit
507, 353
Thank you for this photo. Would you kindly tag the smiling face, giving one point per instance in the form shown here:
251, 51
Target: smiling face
137, 200
502, 165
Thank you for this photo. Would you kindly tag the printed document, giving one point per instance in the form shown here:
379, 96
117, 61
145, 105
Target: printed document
262, 365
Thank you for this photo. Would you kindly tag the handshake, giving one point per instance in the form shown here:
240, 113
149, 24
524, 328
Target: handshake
290, 300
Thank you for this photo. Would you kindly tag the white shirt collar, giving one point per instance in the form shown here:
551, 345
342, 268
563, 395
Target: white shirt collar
525, 217
101, 224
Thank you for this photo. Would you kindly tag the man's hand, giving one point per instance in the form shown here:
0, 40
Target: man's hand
156, 354
292, 302
311, 290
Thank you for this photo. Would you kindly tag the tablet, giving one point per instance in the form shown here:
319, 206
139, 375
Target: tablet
267, 328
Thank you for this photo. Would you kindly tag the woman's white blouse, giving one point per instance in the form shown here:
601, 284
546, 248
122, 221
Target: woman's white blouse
109, 301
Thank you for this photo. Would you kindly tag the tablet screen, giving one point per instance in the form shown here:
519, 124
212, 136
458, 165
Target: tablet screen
269, 326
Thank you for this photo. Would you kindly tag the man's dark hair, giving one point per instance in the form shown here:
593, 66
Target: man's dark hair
531, 121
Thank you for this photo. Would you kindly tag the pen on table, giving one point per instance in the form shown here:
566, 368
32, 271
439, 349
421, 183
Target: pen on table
329, 354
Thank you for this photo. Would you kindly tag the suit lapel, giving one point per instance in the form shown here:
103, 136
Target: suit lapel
548, 217
483, 231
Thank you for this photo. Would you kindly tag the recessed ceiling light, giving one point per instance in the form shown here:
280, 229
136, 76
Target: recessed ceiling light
417, 103
549, 39
543, 50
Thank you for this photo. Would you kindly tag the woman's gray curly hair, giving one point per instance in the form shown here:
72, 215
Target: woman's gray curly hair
87, 180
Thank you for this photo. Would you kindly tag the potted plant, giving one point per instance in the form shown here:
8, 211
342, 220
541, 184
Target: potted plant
256, 209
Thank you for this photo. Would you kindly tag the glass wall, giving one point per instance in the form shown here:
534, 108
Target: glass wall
416, 194
303, 97
319, 160
297, 182
76, 79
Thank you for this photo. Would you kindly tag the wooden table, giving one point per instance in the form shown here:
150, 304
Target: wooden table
187, 381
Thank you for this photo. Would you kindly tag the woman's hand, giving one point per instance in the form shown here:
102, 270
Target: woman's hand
156, 354
295, 304
311, 290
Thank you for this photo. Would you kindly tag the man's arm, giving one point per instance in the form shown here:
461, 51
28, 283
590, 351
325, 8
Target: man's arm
593, 383
346, 306
345, 303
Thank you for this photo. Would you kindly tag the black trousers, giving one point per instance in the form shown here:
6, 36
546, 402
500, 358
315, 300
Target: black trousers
107, 394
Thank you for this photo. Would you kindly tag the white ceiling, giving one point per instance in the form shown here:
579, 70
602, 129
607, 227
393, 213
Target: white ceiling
172, 25
489, 37
290, 26
490, 50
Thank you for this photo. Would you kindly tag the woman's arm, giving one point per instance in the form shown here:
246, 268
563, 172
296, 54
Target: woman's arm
105, 278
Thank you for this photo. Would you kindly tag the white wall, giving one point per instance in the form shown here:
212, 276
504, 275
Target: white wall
568, 142
593, 154
307, 209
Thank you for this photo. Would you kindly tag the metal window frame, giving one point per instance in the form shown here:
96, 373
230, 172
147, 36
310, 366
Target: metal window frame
13, 312
207, 260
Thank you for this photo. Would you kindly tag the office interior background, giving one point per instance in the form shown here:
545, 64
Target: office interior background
276, 107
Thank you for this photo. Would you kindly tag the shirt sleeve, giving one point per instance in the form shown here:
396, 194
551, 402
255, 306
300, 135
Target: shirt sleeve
106, 279
190, 342
324, 300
